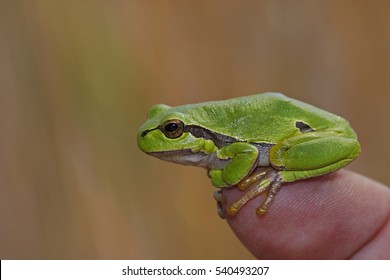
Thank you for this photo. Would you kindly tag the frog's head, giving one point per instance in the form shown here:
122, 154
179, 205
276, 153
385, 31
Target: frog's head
167, 135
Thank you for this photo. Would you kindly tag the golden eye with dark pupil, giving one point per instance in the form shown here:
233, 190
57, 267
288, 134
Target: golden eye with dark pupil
173, 128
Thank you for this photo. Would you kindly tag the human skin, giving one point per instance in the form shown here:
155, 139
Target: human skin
342, 215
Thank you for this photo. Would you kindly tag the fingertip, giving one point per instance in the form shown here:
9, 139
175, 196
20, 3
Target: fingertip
318, 218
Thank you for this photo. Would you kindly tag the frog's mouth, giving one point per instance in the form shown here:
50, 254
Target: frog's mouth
187, 157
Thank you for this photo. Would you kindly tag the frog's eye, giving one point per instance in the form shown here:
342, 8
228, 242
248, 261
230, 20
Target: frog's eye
173, 128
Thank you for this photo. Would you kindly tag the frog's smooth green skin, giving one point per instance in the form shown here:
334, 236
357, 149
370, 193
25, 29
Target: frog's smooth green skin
256, 142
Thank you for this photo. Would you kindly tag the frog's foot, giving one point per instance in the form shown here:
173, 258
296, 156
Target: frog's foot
218, 196
253, 178
275, 187
268, 180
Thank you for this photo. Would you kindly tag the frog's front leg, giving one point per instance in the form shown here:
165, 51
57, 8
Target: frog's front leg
243, 159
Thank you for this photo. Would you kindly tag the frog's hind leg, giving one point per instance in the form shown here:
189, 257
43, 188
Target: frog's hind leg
267, 180
312, 154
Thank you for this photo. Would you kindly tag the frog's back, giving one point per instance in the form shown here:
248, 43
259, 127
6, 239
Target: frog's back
265, 117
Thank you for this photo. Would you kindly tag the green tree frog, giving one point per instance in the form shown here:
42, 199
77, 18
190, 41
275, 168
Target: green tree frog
255, 142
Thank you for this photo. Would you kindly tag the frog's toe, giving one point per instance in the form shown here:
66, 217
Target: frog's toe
261, 211
221, 212
218, 196
216, 177
274, 189
269, 181
254, 177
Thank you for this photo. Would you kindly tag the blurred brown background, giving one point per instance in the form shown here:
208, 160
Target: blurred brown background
76, 81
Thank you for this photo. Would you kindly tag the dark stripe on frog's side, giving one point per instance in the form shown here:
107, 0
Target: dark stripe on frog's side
187, 157
219, 140
303, 127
